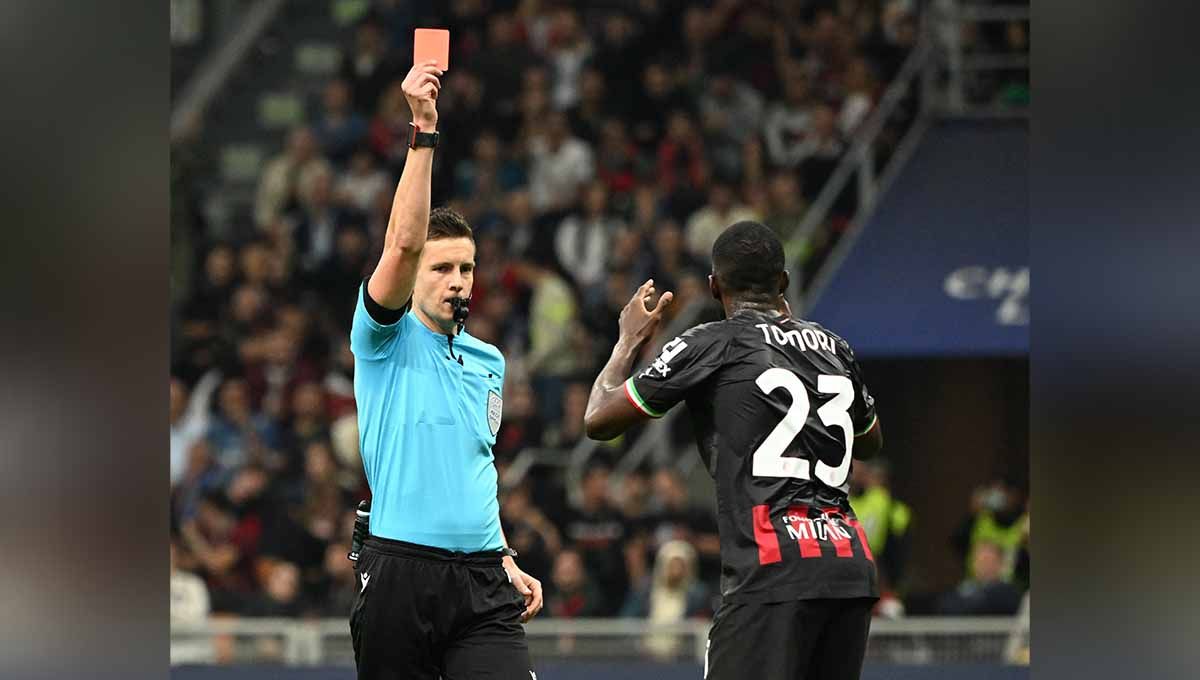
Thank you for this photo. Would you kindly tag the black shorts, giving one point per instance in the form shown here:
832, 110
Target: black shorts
424, 613
796, 640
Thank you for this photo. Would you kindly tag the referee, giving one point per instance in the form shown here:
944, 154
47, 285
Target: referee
439, 593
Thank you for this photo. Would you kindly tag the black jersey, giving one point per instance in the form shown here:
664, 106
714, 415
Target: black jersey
775, 404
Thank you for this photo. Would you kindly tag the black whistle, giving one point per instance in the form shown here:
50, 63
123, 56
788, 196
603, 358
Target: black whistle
461, 309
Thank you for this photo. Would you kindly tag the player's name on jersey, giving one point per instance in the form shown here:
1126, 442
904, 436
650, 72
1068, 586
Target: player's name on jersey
802, 340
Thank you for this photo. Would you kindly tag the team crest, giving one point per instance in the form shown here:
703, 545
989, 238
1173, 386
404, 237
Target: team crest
495, 408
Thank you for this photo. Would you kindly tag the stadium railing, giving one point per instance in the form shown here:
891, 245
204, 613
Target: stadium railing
325, 642
946, 21
214, 72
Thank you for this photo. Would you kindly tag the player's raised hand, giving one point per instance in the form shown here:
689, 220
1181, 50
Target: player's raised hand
638, 320
421, 87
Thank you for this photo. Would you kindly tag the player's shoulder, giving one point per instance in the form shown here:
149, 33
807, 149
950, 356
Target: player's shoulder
710, 334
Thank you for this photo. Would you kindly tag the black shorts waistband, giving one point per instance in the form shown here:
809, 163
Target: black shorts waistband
389, 546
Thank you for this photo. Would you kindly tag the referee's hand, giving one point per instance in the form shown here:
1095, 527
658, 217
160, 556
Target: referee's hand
528, 586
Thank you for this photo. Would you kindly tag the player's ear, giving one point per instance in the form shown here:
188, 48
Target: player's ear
784, 281
714, 287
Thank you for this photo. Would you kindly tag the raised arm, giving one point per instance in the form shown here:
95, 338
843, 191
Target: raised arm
392, 282
609, 413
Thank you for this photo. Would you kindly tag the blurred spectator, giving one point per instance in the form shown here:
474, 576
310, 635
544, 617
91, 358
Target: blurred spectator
389, 132
189, 419
617, 160
788, 123
618, 54
341, 585
561, 166
672, 261
337, 278
573, 594
593, 109
569, 50
500, 64
200, 475
318, 217
224, 551
886, 521
731, 113
486, 177
369, 66
569, 430
189, 607
681, 153
527, 528
464, 106
996, 517
582, 240
237, 434
986, 592
280, 177
598, 531
674, 517
189, 595
859, 96
707, 223
824, 147
339, 128
552, 315
281, 595
203, 310
671, 595
359, 188
787, 208
659, 95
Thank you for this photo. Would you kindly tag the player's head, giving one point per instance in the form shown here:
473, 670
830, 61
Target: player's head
446, 269
748, 265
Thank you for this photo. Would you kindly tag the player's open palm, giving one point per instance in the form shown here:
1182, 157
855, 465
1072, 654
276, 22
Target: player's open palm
638, 320
421, 87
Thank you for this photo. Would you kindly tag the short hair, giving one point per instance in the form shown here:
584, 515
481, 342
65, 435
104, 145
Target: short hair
448, 223
748, 260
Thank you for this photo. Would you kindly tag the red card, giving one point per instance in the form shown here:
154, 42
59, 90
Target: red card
432, 43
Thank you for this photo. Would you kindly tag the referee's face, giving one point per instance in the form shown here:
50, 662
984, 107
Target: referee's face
446, 270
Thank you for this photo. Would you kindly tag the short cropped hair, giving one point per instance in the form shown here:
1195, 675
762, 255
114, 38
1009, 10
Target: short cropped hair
748, 260
447, 223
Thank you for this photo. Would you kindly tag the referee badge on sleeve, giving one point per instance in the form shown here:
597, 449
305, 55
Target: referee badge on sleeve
495, 407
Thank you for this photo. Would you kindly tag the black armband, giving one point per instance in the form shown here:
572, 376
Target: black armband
382, 315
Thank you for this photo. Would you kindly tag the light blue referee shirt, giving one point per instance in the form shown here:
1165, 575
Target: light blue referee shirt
426, 428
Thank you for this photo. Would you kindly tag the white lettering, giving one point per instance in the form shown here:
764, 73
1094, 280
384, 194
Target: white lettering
826, 343
766, 335
780, 337
1010, 287
794, 339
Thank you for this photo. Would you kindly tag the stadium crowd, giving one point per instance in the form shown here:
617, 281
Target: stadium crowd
589, 150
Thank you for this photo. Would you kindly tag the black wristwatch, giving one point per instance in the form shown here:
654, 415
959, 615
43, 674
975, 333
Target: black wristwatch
509, 552
420, 139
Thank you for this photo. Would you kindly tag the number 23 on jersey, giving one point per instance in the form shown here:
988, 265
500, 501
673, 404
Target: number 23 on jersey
768, 459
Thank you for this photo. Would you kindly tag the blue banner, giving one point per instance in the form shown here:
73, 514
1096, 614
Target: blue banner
942, 267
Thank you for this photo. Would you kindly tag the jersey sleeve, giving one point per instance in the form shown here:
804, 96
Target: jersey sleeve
862, 412
370, 339
684, 363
